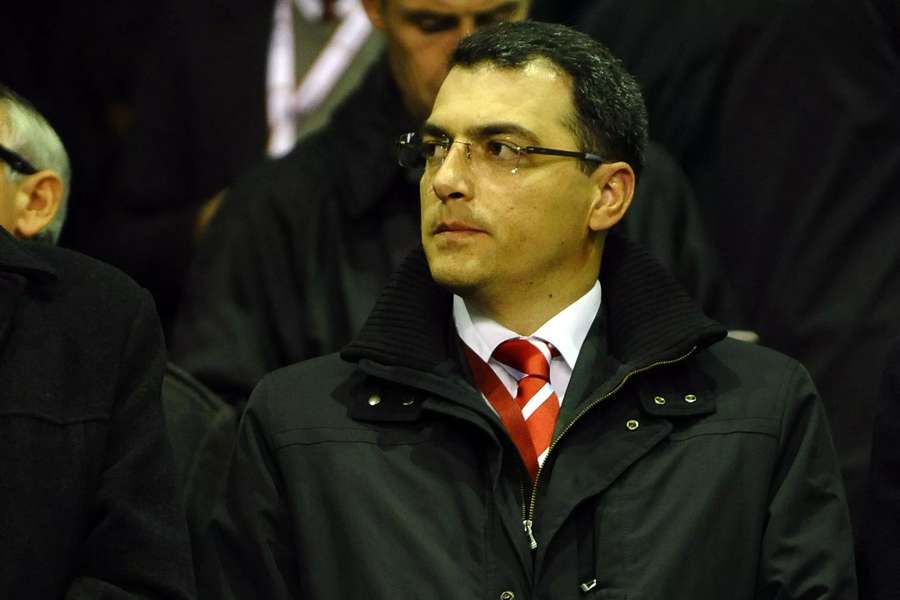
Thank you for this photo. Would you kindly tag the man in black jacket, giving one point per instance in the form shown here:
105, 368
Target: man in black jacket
301, 247
515, 421
87, 481
87, 488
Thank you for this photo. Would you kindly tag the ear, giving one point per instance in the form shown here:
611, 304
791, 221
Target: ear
375, 9
38, 199
613, 190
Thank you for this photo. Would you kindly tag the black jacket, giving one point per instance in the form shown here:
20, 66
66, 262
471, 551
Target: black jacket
301, 247
88, 503
683, 466
880, 564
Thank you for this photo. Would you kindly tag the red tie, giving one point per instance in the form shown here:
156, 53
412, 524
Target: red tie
534, 396
510, 411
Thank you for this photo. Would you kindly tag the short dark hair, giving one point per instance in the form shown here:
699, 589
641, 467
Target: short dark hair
610, 114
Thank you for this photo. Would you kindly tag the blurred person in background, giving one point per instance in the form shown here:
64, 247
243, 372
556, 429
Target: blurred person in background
222, 86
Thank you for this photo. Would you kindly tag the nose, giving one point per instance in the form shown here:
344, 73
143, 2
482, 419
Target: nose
453, 178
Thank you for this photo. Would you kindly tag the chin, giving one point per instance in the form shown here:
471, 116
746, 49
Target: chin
454, 277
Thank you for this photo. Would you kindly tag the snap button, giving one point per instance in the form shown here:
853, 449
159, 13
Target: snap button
659, 400
690, 398
374, 400
408, 402
632, 425
507, 595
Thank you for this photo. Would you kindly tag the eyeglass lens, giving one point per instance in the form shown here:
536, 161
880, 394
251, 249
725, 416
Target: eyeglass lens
485, 158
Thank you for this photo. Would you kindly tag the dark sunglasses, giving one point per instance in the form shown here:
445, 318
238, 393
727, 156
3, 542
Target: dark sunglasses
16, 162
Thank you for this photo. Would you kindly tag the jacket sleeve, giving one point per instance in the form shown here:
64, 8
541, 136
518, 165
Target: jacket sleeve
251, 528
137, 545
807, 547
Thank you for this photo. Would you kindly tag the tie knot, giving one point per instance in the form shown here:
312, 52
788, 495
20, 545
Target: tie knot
529, 356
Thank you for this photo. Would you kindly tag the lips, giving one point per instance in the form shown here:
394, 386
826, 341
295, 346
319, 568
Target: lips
456, 227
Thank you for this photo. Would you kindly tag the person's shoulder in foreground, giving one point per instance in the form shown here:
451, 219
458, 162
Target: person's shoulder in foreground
88, 471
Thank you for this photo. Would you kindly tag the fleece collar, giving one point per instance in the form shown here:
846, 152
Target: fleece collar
649, 315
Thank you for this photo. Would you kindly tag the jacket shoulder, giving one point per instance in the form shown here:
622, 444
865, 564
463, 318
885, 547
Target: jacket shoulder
748, 356
304, 394
755, 381
82, 281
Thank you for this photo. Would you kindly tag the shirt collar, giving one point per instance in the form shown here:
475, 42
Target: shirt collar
566, 330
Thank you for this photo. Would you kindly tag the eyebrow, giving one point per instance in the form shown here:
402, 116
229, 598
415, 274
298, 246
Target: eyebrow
434, 131
423, 14
485, 131
502, 128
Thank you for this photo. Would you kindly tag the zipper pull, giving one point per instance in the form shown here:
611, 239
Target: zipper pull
528, 523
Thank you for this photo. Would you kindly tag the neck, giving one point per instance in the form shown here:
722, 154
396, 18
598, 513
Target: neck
525, 311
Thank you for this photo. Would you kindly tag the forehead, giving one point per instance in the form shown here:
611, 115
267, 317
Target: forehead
536, 97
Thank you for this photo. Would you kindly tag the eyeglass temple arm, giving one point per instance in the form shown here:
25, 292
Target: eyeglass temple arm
570, 153
15, 161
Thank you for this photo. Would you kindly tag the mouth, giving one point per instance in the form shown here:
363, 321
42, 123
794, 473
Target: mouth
455, 227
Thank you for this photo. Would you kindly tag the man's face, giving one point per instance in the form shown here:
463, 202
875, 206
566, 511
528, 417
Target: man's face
488, 233
422, 34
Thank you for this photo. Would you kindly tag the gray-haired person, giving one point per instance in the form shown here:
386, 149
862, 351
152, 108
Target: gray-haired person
89, 506
34, 185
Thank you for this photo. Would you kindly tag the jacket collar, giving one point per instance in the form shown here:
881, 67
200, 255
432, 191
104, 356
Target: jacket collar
650, 316
18, 267
15, 257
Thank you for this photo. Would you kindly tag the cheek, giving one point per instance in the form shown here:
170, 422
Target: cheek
428, 204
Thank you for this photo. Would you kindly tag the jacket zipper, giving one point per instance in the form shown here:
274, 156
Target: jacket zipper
528, 515
527, 523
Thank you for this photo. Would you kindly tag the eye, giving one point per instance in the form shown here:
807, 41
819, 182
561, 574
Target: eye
502, 151
434, 23
434, 150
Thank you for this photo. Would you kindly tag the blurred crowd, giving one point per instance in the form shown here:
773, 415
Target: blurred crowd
237, 160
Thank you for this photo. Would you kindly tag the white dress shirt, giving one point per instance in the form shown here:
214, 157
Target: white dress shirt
566, 331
